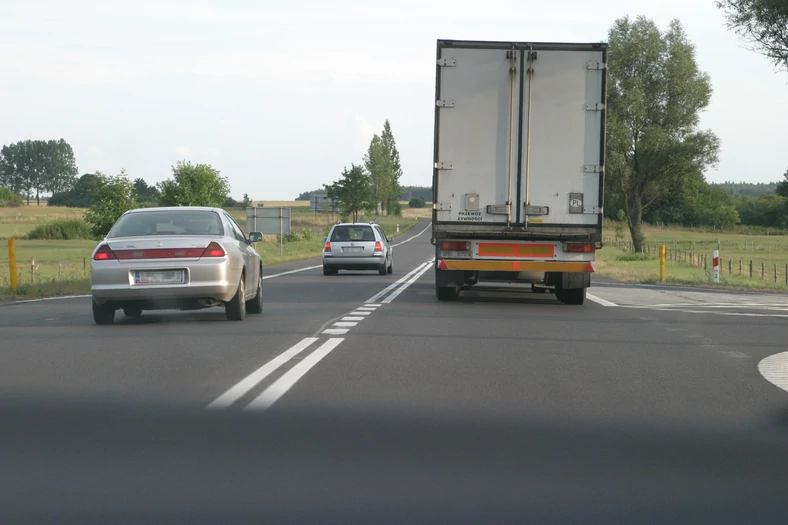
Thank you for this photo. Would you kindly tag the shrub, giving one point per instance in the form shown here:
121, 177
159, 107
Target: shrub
396, 209
62, 230
417, 202
9, 199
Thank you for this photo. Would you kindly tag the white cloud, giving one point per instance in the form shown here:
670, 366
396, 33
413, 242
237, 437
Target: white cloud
211, 152
183, 151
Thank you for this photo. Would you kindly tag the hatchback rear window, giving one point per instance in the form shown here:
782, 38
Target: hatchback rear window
353, 233
167, 223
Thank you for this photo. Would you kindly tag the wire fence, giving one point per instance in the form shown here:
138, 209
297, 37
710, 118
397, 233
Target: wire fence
37, 272
695, 254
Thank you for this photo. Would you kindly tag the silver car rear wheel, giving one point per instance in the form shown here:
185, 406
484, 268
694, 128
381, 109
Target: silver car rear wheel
236, 308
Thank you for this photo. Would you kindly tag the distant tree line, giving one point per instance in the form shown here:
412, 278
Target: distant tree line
407, 193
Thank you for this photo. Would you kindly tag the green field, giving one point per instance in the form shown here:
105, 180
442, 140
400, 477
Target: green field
62, 267
689, 258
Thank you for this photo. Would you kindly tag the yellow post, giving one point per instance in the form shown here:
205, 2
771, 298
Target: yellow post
12, 262
662, 263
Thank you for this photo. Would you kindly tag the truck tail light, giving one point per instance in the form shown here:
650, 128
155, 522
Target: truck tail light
578, 247
214, 250
455, 246
104, 253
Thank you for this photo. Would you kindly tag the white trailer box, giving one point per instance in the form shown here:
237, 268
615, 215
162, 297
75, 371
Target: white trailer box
519, 156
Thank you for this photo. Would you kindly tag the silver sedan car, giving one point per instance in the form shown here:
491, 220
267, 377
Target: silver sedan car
357, 246
184, 258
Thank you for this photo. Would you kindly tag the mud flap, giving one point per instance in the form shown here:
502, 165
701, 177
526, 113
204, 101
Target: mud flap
574, 280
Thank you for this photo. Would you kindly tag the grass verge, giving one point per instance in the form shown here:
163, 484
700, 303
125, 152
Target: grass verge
627, 267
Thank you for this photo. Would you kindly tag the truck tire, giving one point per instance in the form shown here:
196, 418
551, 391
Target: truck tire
574, 296
447, 293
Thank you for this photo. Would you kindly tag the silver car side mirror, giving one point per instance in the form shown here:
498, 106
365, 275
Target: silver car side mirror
255, 237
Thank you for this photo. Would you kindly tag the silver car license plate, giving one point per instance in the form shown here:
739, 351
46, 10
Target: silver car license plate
353, 249
162, 277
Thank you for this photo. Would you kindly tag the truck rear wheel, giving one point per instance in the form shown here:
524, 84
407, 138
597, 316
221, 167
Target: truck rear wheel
574, 296
447, 293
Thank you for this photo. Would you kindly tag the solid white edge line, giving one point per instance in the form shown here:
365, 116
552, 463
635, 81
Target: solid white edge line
280, 387
775, 369
51, 299
273, 275
417, 235
407, 284
599, 300
250, 381
390, 287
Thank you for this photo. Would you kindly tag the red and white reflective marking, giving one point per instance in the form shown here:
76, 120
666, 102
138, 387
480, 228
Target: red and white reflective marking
716, 266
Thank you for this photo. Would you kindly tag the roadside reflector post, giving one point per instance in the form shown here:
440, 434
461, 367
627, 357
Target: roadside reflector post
716, 266
397, 228
12, 263
662, 263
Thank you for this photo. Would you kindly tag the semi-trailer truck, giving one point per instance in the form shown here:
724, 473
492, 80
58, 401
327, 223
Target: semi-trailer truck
519, 164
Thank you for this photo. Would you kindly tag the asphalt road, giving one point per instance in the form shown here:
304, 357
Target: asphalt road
383, 342
378, 404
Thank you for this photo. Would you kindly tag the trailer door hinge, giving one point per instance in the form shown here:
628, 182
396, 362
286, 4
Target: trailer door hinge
447, 62
595, 106
592, 169
442, 206
498, 209
595, 210
444, 166
595, 64
445, 103
537, 210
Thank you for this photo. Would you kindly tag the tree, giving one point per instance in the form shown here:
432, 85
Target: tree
194, 185
145, 192
763, 24
113, 196
59, 166
378, 165
383, 165
390, 146
655, 96
353, 192
782, 186
43, 166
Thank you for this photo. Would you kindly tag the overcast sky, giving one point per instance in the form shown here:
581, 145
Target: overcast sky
280, 98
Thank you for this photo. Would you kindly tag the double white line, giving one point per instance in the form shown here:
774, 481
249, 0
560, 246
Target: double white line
408, 279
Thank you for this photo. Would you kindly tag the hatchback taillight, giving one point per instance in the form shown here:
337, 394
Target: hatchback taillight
378, 246
327, 247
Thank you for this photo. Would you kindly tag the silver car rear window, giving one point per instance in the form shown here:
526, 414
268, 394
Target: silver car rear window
353, 233
167, 223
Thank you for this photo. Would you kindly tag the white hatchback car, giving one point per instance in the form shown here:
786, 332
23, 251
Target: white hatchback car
184, 258
357, 246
